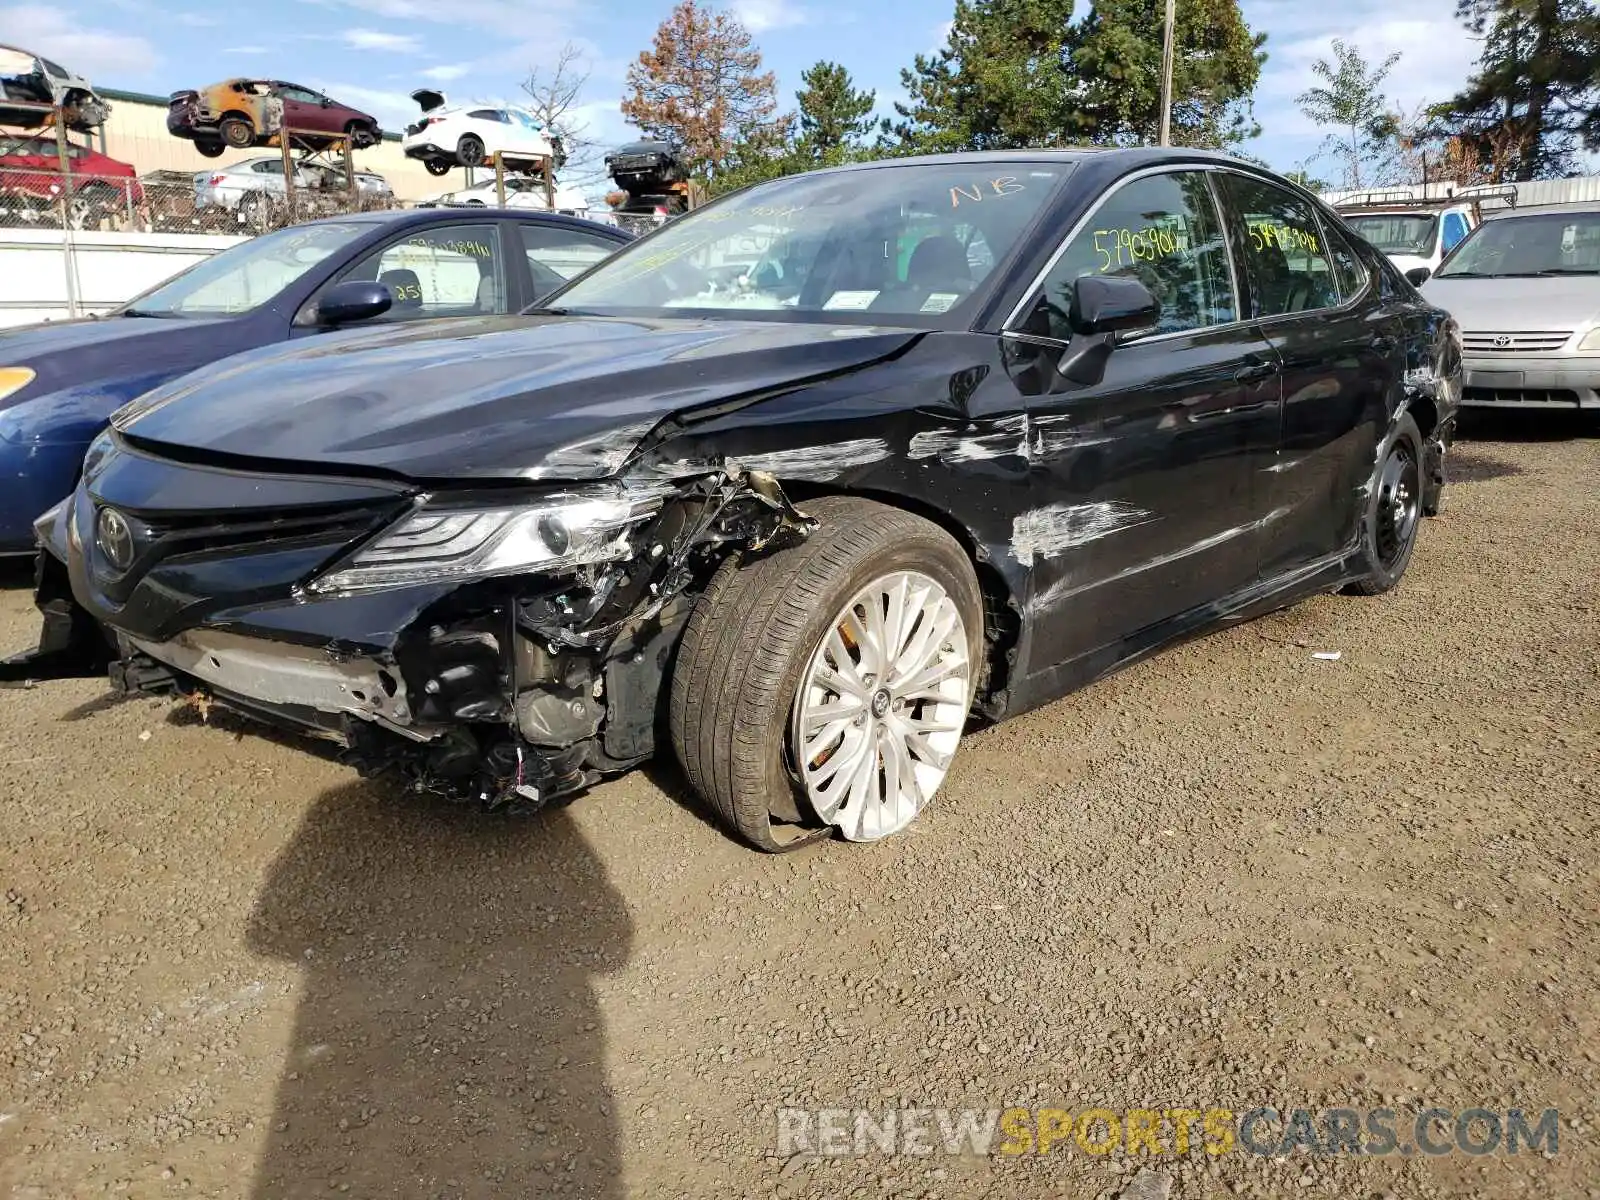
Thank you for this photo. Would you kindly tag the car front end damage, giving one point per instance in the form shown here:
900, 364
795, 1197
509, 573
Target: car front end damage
504, 647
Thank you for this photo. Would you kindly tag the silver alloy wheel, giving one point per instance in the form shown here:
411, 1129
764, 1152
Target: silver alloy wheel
881, 707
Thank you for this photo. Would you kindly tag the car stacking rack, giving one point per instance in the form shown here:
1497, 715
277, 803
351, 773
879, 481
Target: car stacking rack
337, 156
541, 165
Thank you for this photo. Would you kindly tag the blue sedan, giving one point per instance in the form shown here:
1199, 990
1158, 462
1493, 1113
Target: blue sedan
60, 382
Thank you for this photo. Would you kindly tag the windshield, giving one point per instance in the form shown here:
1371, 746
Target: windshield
918, 242
1397, 233
248, 275
1536, 244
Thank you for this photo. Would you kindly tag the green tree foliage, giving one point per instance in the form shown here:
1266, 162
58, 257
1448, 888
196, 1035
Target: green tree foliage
1000, 82
1350, 101
834, 116
1531, 103
1216, 63
1020, 73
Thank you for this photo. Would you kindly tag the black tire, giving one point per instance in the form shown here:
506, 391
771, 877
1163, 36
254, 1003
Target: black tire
209, 148
437, 166
361, 135
1386, 541
752, 636
470, 151
238, 132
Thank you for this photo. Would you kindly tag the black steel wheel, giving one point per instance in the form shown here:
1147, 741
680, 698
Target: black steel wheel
437, 166
1394, 509
470, 150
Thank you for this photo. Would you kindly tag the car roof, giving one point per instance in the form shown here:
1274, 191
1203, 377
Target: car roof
1545, 210
443, 216
1133, 157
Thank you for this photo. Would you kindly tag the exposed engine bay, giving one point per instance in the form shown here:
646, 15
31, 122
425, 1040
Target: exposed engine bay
513, 691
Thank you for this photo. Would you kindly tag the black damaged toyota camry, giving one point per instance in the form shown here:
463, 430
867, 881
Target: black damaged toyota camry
804, 484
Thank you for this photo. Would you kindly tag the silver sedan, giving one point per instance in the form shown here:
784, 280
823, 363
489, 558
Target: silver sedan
1525, 288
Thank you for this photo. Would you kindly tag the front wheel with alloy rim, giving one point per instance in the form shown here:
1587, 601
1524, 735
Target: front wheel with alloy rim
825, 688
1393, 510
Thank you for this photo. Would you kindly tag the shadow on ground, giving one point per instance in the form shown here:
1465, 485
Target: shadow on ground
448, 1041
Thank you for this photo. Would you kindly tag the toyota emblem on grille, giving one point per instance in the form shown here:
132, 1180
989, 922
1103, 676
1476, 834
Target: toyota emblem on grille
114, 536
1502, 341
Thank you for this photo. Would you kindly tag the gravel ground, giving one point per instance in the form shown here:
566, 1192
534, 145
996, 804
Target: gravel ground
1232, 876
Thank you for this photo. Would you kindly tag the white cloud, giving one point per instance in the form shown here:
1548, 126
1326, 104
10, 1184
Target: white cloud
758, 16
1436, 57
77, 44
447, 72
372, 39
245, 50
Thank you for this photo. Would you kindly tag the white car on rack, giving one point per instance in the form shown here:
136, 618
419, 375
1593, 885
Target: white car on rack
449, 135
522, 191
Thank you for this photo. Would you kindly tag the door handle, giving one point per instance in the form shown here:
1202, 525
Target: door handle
1254, 371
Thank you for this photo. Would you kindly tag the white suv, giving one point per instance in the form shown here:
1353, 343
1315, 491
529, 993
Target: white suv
448, 135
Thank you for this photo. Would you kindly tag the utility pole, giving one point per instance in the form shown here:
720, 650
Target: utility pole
1169, 35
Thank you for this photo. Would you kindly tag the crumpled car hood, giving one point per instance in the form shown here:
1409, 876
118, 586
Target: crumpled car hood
498, 397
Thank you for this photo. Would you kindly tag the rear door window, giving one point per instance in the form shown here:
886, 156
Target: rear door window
1282, 251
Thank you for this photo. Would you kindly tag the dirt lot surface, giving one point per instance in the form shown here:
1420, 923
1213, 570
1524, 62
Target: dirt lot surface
1232, 876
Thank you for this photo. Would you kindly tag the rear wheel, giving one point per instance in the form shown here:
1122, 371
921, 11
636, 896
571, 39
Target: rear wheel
828, 685
255, 212
238, 132
470, 150
1394, 510
437, 166
209, 147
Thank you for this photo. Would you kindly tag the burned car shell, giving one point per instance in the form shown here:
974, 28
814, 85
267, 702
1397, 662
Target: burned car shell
733, 424
33, 81
267, 106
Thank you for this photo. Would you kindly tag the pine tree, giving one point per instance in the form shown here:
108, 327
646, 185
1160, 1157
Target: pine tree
999, 83
1532, 101
1217, 62
701, 86
833, 115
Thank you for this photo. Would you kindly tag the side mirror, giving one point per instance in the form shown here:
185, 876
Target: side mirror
353, 300
1110, 304
1101, 307
1418, 276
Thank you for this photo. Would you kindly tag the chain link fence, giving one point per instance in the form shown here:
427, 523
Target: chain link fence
225, 201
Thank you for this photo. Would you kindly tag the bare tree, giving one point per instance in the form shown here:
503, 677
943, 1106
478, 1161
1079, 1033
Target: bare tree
553, 94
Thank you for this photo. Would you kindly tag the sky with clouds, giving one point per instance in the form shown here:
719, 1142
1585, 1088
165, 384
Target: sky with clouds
372, 53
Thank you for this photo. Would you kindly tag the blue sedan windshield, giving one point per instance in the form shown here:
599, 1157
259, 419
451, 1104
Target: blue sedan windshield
248, 275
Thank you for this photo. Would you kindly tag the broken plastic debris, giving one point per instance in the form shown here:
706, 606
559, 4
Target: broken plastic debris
1328, 655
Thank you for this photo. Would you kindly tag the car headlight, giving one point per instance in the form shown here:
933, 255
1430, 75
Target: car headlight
14, 379
1591, 340
438, 542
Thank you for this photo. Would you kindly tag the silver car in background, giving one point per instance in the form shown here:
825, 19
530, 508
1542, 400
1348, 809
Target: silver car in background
238, 185
1525, 288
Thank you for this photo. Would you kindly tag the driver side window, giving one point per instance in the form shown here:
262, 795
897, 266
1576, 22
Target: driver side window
1162, 230
441, 271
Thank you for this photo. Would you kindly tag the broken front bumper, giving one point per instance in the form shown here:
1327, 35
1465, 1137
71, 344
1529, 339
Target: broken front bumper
518, 688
